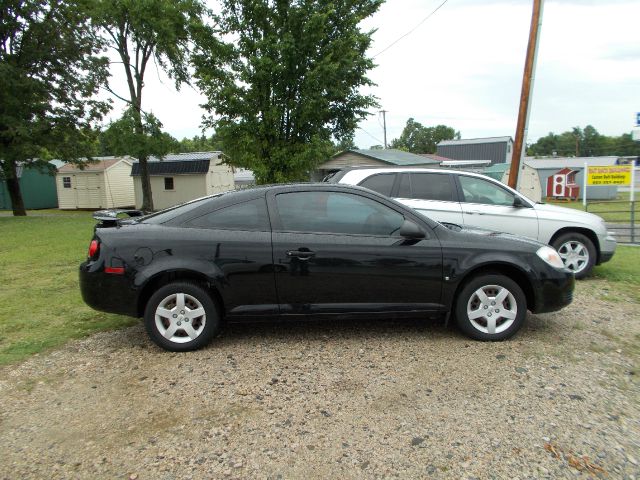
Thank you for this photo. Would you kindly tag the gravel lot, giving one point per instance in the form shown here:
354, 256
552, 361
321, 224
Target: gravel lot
336, 399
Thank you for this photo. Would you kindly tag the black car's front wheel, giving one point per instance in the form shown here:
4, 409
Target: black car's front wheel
490, 307
181, 316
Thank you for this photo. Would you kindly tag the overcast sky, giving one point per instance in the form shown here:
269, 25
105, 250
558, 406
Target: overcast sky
463, 68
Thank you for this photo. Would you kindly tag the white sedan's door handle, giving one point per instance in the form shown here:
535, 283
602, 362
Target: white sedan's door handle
474, 213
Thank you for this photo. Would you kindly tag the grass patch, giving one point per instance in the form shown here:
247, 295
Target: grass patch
622, 271
613, 211
40, 302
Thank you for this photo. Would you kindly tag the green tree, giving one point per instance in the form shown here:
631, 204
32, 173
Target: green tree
290, 82
49, 73
200, 143
416, 138
122, 137
164, 31
587, 142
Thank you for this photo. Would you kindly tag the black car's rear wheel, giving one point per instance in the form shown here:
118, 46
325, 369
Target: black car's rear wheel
181, 316
490, 307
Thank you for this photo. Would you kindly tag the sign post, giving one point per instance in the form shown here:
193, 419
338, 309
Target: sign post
584, 185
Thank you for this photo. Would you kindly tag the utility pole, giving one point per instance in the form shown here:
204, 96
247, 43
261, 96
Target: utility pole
384, 126
525, 95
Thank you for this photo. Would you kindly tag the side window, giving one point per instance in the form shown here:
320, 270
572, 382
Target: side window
66, 182
335, 212
381, 183
168, 183
478, 190
426, 186
250, 215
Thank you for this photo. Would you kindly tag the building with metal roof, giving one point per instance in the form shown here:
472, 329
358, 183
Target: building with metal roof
495, 149
372, 158
178, 178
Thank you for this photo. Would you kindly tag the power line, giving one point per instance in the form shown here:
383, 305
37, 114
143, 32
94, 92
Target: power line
376, 139
412, 30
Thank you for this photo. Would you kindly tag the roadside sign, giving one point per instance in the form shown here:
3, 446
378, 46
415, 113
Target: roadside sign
613, 175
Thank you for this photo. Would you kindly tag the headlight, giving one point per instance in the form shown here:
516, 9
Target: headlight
550, 256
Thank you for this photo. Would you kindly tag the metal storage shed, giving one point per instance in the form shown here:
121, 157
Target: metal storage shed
496, 149
103, 184
178, 178
37, 185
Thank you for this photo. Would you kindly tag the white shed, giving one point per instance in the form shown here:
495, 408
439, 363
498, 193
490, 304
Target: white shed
104, 183
181, 177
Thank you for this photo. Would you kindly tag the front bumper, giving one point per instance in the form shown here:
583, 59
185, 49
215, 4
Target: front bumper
554, 291
608, 246
107, 292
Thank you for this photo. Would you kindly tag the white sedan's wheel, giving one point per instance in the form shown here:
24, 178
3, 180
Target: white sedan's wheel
577, 253
574, 255
181, 316
490, 307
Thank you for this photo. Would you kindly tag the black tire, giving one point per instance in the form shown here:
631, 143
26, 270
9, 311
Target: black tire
504, 327
206, 326
567, 240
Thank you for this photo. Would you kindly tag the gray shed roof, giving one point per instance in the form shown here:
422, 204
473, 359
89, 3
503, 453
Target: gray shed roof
470, 141
191, 163
186, 157
395, 157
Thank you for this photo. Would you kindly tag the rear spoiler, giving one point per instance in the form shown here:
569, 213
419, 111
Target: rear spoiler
110, 218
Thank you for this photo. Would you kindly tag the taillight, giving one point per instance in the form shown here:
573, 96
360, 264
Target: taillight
94, 246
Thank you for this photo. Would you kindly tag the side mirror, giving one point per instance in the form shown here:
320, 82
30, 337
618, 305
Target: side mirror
411, 230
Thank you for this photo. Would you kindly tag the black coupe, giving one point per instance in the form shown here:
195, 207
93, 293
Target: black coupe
312, 251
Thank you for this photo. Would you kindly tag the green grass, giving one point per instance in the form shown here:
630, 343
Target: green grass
622, 271
613, 211
40, 302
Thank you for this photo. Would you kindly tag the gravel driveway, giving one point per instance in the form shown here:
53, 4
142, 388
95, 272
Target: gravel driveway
336, 400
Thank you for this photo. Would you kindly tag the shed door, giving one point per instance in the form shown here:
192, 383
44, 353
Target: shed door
88, 191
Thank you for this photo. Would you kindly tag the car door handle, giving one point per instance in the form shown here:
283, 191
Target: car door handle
474, 213
301, 254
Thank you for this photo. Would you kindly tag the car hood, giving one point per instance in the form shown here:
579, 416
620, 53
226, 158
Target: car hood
490, 235
547, 210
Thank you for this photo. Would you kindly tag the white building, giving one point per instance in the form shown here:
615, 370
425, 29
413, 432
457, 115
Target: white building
178, 178
106, 183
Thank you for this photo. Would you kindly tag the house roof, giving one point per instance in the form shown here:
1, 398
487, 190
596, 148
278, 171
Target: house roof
100, 164
433, 156
190, 163
393, 157
470, 141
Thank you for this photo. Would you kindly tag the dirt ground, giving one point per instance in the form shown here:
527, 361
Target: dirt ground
337, 400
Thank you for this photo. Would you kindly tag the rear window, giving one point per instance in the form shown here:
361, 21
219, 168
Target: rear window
426, 186
381, 183
165, 215
251, 215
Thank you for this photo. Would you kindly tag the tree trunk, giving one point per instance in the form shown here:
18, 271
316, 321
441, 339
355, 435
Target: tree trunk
13, 186
147, 198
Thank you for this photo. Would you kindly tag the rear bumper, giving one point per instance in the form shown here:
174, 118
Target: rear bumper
554, 292
107, 292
